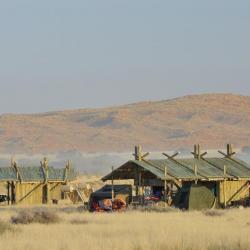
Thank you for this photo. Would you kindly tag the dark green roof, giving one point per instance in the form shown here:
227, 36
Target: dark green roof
8, 174
36, 174
183, 169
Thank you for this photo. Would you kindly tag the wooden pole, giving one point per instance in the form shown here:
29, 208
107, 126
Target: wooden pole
195, 172
13, 192
137, 182
140, 189
8, 192
195, 169
229, 149
225, 170
165, 185
46, 192
112, 185
198, 151
143, 197
138, 153
224, 193
224, 186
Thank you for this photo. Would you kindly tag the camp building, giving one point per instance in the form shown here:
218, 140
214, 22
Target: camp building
34, 185
190, 183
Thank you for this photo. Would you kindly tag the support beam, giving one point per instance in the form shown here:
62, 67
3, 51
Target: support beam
44, 166
8, 192
165, 185
229, 152
14, 165
137, 182
46, 188
138, 153
170, 157
140, 186
197, 152
224, 185
112, 185
66, 172
182, 165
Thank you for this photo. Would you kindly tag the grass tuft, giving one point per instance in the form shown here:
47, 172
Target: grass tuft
38, 215
154, 208
213, 213
4, 227
79, 222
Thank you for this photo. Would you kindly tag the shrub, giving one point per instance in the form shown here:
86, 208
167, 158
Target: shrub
28, 216
69, 210
213, 213
79, 222
153, 208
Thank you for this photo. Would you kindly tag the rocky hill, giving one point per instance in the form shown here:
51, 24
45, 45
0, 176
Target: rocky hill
211, 120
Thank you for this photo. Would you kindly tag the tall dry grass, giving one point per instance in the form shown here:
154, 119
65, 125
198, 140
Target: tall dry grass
131, 230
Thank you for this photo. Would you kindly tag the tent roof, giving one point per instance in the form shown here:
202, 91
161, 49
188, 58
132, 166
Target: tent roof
183, 169
35, 174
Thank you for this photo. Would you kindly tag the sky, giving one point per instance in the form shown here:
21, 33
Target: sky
58, 54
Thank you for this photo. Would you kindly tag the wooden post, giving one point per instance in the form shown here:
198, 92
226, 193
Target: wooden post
224, 193
195, 169
229, 149
112, 185
137, 183
138, 153
143, 197
8, 192
13, 192
198, 151
224, 186
165, 185
195, 172
139, 187
46, 188
225, 170
66, 174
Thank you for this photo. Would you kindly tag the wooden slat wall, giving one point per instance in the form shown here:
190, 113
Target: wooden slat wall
29, 193
35, 194
231, 188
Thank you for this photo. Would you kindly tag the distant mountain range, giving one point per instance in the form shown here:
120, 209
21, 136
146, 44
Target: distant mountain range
211, 120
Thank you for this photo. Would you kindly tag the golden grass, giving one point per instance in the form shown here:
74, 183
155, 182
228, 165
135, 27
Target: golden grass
131, 230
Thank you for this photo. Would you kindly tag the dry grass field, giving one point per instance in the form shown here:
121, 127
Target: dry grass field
73, 228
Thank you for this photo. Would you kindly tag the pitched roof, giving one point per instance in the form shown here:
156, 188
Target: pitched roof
184, 169
36, 174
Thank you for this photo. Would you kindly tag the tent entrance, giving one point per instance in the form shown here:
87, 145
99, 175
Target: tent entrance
196, 196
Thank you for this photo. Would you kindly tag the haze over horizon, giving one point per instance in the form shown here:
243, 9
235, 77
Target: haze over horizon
62, 55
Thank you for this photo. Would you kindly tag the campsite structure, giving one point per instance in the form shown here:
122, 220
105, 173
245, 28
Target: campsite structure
190, 183
35, 185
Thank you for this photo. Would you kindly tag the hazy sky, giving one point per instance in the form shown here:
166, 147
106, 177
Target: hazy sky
57, 54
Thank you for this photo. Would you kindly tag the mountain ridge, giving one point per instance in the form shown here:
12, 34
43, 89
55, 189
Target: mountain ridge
209, 119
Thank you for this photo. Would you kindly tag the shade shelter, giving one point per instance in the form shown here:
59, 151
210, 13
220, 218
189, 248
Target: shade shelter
227, 177
35, 184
